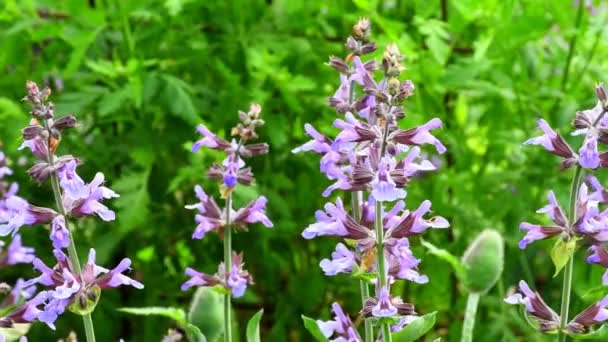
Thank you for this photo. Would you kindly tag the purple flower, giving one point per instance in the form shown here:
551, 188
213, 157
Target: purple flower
599, 192
72, 184
91, 203
329, 222
413, 223
232, 171
535, 306
254, 212
401, 262
589, 154
595, 314
37, 146
537, 232
210, 216
341, 328
24, 214
553, 143
60, 235
342, 261
16, 253
319, 143
104, 278
236, 280
209, 140
419, 135
599, 255
4, 170
384, 305
384, 188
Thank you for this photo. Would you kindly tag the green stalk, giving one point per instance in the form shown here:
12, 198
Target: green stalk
363, 286
469, 317
228, 267
72, 252
567, 280
386, 329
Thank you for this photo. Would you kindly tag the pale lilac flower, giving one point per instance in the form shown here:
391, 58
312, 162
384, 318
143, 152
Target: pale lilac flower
551, 141
589, 154
599, 255
4, 170
342, 261
384, 188
91, 203
385, 305
24, 214
537, 232
340, 327
60, 235
535, 306
73, 186
236, 281
420, 135
16, 253
413, 223
329, 222
209, 140
401, 262
319, 143
595, 314
254, 212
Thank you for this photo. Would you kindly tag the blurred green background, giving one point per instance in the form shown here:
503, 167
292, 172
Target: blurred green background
139, 76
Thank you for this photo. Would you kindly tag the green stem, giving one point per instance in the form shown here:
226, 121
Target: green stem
363, 286
72, 252
227, 268
567, 280
469, 317
386, 330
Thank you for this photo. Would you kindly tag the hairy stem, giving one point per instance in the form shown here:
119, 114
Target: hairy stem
363, 286
567, 280
386, 330
72, 252
469, 317
228, 267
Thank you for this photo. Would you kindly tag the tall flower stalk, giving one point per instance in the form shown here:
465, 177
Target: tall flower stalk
584, 222
231, 277
372, 157
67, 285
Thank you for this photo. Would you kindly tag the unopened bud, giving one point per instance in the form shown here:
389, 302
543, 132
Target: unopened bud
483, 261
338, 64
31, 132
68, 121
600, 90
362, 29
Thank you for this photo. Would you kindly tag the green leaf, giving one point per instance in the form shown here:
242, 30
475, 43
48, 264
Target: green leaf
194, 333
416, 329
176, 314
179, 99
313, 328
446, 256
253, 327
207, 313
561, 253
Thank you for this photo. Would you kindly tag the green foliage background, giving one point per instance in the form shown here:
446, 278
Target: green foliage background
139, 75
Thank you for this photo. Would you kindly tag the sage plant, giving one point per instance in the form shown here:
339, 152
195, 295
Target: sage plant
583, 224
374, 159
67, 285
231, 276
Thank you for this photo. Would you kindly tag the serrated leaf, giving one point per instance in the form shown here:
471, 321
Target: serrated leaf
446, 256
416, 329
179, 99
561, 253
313, 328
176, 314
253, 327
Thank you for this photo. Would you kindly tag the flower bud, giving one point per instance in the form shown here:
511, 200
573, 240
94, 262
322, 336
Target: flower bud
362, 29
68, 121
339, 64
483, 262
391, 61
32, 131
600, 90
